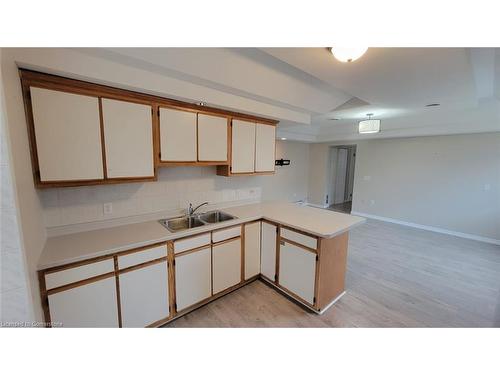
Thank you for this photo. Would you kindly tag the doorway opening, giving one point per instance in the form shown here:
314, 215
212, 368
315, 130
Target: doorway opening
341, 181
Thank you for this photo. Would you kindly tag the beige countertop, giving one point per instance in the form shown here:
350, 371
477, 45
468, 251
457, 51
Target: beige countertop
90, 244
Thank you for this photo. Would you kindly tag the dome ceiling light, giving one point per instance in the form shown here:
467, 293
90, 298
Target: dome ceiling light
348, 54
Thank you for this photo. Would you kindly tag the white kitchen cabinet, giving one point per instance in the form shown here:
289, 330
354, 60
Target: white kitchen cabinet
252, 249
265, 143
88, 305
68, 135
212, 138
243, 147
193, 277
268, 250
128, 139
226, 263
144, 295
177, 136
297, 271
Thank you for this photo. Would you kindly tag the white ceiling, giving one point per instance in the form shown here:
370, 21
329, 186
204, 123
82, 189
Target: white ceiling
394, 84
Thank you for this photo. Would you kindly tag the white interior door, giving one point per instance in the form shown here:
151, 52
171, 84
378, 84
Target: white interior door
68, 135
340, 176
177, 135
226, 263
268, 251
252, 249
144, 295
212, 138
243, 147
193, 278
89, 305
297, 270
265, 145
128, 139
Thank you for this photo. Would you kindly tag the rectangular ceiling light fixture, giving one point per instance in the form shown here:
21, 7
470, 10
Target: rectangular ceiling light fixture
369, 126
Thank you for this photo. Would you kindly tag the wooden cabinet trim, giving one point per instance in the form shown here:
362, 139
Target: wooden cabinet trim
57, 83
194, 250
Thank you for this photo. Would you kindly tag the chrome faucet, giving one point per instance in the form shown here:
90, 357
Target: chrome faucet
191, 210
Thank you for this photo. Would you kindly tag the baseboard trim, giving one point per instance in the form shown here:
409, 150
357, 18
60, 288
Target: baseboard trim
317, 205
429, 228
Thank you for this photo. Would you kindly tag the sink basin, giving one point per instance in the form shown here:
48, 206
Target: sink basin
187, 222
215, 217
182, 223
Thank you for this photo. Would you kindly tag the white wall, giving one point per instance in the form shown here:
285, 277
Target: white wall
29, 210
450, 182
176, 187
15, 303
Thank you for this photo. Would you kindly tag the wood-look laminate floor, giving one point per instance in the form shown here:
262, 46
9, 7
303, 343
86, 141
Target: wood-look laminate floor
397, 277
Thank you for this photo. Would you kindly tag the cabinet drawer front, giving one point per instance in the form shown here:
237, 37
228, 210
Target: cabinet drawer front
191, 243
89, 305
224, 234
298, 271
71, 275
142, 256
144, 295
299, 238
226, 261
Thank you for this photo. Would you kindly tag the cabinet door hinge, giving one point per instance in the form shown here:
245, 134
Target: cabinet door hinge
158, 112
314, 300
317, 257
173, 263
175, 306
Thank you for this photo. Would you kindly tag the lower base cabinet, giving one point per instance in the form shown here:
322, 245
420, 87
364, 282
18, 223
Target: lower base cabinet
89, 305
193, 277
252, 249
226, 263
144, 295
268, 251
297, 271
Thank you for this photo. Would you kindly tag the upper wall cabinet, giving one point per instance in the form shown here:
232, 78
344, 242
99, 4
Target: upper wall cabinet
265, 147
191, 138
128, 137
252, 149
212, 138
177, 136
67, 136
83, 133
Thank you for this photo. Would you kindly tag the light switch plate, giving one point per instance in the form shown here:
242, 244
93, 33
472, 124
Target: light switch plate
107, 208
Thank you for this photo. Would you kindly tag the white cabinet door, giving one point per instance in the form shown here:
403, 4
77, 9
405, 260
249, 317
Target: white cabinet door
68, 135
212, 138
252, 249
297, 271
177, 135
265, 143
89, 305
226, 263
144, 295
243, 147
128, 139
268, 251
193, 278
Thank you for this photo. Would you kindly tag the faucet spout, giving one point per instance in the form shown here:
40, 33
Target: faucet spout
192, 210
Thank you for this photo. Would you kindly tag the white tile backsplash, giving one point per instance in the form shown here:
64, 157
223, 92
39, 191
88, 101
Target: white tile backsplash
175, 189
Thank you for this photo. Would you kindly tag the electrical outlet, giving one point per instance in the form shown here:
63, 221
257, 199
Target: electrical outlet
367, 178
107, 208
372, 202
487, 187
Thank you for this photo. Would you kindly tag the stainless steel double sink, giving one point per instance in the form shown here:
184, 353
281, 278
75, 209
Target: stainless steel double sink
192, 221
